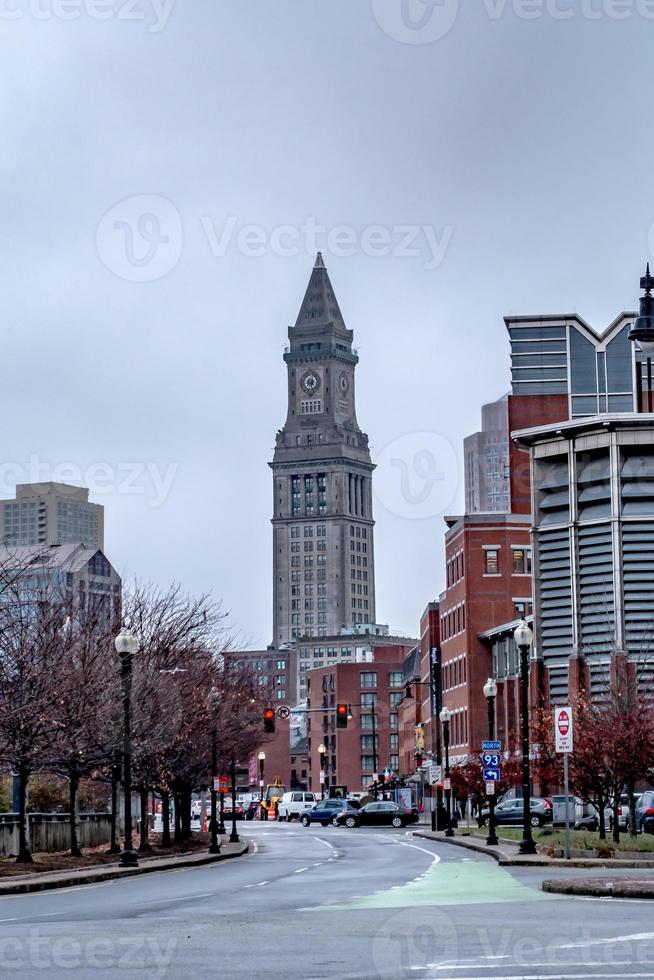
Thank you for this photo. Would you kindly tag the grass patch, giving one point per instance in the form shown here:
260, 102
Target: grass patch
579, 839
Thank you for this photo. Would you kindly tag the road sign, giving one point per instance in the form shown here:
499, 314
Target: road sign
221, 784
491, 746
435, 773
491, 760
283, 711
490, 789
491, 775
322, 775
563, 729
447, 784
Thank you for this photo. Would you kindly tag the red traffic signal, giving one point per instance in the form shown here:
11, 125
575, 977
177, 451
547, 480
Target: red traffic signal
341, 715
269, 720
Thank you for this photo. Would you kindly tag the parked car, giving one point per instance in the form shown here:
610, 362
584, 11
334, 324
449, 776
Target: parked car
294, 804
511, 812
623, 811
228, 808
250, 809
645, 813
383, 814
326, 812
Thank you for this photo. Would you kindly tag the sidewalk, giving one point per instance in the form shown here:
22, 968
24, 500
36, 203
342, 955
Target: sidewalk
507, 853
44, 881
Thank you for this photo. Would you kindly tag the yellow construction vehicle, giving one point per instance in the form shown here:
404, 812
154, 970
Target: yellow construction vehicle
272, 796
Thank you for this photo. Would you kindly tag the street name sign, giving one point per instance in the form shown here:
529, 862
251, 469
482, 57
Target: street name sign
491, 746
563, 729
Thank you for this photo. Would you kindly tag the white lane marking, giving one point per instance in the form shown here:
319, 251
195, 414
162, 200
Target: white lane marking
608, 941
325, 842
300, 870
165, 901
318, 864
560, 976
258, 885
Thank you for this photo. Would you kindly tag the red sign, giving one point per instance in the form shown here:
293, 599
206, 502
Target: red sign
221, 784
563, 722
563, 729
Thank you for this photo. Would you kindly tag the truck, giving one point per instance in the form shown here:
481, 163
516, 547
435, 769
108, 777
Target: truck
271, 797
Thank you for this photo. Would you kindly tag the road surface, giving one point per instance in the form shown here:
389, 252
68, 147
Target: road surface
328, 902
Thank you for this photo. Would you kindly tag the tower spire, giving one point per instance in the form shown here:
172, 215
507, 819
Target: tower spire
320, 307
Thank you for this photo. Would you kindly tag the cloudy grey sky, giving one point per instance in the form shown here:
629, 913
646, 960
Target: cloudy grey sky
168, 166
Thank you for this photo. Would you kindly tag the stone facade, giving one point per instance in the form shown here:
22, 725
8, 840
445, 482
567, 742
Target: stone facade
323, 564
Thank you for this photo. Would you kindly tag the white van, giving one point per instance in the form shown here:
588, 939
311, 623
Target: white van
293, 804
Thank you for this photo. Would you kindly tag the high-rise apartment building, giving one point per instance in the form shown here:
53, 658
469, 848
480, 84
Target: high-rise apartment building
323, 565
486, 455
51, 513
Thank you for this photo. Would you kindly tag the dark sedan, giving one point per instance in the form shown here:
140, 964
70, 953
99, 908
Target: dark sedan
645, 813
511, 812
326, 812
378, 815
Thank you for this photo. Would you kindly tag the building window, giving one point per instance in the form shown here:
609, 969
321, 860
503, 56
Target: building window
368, 700
368, 763
492, 561
395, 742
395, 678
369, 743
395, 697
522, 561
369, 678
393, 721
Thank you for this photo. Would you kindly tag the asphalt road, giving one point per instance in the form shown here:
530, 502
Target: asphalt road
328, 903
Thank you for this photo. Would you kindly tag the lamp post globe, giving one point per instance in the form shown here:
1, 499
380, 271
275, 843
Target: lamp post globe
321, 752
127, 647
523, 635
490, 688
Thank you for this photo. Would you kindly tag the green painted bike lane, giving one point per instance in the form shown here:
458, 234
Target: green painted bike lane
448, 883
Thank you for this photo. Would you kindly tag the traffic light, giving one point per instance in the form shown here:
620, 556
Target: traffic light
341, 716
269, 720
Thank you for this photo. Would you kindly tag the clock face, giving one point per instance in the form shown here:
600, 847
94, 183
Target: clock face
310, 383
344, 384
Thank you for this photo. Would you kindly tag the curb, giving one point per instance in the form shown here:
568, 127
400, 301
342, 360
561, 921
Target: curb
17, 886
601, 888
459, 842
542, 862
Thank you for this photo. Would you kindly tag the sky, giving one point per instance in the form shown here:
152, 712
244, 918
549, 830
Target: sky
168, 170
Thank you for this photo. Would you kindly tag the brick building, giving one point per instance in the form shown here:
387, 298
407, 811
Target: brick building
488, 562
560, 369
372, 688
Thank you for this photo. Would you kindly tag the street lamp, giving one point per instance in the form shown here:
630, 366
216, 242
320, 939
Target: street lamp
523, 637
127, 647
321, 751
262, 758
490, 693
446, 717
214, 846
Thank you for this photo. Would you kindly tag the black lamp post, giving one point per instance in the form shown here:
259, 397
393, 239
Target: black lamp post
446, 717
262, 758
233, 837
127, 647
490, 693
438, 813
321, 752
524, 637
214, 846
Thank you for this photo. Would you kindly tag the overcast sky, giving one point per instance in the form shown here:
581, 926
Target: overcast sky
168, 169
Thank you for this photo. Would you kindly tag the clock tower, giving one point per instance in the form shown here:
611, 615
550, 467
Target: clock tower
323, 549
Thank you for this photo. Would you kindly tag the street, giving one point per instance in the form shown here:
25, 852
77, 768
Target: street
328, 903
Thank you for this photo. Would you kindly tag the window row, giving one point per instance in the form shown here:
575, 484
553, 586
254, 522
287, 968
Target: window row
454, 673
520, 561
455, 569
453, 622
